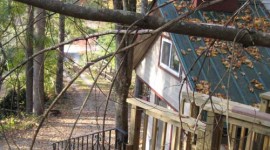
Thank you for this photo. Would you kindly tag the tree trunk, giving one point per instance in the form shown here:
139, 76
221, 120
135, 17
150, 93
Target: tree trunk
144, 6
29, 64
60, 60
123, 79
122, 84
38, 85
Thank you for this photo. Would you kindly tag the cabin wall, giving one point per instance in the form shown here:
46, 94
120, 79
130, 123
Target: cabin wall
266, 4
150, 124
164, 84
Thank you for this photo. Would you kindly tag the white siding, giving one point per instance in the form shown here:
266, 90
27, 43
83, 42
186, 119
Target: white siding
266, 4
159, 80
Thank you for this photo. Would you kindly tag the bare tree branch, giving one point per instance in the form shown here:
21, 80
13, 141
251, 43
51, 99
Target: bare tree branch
55, 100
68, 42
152, 22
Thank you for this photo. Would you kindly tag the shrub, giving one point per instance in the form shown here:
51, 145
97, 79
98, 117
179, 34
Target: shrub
13, 103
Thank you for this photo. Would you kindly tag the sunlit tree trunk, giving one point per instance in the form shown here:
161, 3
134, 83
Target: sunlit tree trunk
29, 64
144, 6
60, 67
38, 85
123, 79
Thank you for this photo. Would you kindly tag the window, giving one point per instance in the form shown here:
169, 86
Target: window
169, 59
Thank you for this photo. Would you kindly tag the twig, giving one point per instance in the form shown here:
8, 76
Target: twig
55, 100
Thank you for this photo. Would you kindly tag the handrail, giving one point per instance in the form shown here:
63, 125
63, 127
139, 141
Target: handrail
239, 114
91, 140
181, 126
249, 127
187, 123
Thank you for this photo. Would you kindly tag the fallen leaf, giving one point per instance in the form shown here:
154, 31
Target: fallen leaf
183, 52
251, 89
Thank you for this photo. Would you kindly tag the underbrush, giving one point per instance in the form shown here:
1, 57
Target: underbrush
12, 123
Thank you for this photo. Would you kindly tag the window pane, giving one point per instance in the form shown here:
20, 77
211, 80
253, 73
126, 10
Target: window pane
165, 53
174, 61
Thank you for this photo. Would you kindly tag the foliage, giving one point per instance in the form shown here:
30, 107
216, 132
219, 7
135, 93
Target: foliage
13, 103
4, 15
16, 123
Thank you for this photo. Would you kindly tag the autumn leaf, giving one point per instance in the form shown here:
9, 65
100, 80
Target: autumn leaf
257, 84
226, 63
183, 52
251, 89
199, 87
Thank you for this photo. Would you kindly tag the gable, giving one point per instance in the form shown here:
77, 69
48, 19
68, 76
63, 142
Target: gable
141, 49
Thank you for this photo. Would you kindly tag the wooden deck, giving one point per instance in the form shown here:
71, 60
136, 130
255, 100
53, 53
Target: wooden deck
205, 127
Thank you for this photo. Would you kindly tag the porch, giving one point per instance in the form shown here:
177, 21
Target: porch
204, 128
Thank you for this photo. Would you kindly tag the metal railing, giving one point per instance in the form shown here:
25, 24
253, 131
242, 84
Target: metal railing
112, 139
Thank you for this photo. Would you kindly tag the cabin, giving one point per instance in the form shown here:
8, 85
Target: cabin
170, 66
189, 96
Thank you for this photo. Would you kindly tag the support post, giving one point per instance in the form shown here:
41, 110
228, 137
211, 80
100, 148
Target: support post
265, 102
175, 138
138, 87
154, 134
214, 129
145, 125
163, 138
264, 107
134, 135
200, 140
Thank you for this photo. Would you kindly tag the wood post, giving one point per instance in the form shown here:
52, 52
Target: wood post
265, 102
264, 107
249, 142
145, 125
154, 134
233, 136
138, 87
134, 135
200, 140
175, 138
163, 138
214, 129
242, 138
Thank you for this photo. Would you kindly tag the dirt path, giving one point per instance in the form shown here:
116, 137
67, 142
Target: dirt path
58, 128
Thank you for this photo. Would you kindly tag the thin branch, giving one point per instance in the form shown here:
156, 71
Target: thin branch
55, 100
64, 43
150, 22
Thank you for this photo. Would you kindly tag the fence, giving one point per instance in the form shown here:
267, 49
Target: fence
94, 141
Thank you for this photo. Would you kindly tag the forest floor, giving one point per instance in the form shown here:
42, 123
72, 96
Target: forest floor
58, 128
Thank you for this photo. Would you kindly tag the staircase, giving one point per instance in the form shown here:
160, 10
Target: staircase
107, 139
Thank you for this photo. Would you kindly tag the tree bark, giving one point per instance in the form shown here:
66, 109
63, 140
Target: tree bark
29, 64
60, 59
144, 6
153, 22
123, 80
38, 85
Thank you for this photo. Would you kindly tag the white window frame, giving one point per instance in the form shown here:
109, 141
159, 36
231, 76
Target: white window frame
161, 54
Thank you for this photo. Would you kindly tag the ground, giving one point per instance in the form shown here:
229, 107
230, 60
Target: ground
58, 128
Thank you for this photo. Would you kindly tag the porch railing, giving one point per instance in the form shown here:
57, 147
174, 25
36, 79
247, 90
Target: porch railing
204, 128
94, 141
249, 127
187, 131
